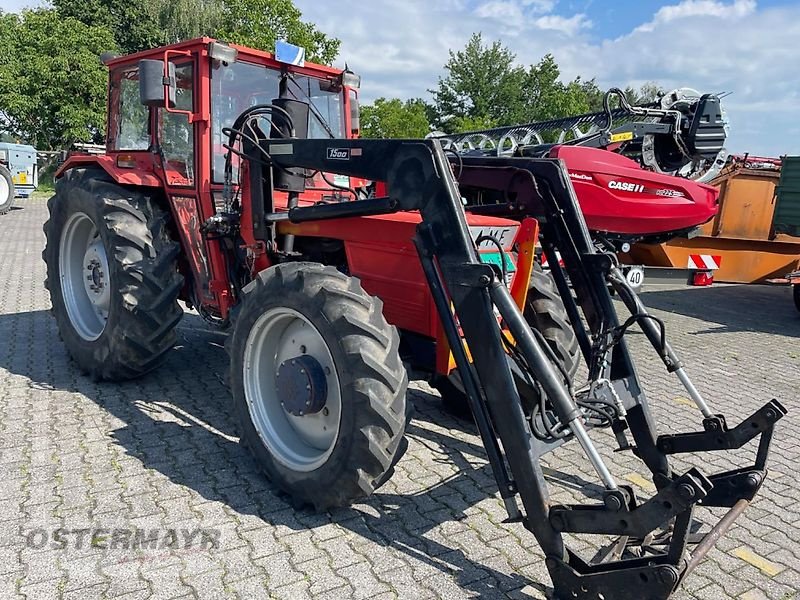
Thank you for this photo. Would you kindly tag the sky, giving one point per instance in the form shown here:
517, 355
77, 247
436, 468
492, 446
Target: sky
747, 47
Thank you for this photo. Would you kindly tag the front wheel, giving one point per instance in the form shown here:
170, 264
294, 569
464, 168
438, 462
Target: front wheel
545, 313
796, 294
318, 384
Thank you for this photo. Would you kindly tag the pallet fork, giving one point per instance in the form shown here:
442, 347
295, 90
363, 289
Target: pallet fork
522, 405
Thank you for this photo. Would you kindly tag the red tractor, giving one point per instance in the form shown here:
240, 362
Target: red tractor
234, 182
153, 221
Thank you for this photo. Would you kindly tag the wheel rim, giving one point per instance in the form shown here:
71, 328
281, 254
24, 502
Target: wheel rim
300, 442
5, 191
85, 281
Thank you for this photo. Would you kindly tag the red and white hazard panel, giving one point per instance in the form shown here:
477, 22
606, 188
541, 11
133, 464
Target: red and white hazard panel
704, 262
704, 265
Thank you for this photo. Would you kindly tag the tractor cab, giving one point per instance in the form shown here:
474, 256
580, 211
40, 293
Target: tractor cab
178, 136
168, 113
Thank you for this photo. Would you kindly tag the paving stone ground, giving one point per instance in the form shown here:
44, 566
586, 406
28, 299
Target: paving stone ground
81, 462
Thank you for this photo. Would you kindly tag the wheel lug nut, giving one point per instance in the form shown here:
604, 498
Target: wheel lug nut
325, 411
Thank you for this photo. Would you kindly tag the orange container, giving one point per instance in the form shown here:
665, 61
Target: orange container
742, 233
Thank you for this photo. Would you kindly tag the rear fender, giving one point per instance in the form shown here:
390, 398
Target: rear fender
142, 175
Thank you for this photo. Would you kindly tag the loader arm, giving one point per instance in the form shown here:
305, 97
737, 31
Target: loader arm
420, 177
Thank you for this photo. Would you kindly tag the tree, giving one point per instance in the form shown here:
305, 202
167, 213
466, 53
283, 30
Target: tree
647, 93
259, 23
394, 119
546, 97
142, 24
52, 85
482, 85
133, 23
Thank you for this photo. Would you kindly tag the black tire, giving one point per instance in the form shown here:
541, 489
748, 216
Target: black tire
7, 203
545, 312
796, 295
143, 278
372, 381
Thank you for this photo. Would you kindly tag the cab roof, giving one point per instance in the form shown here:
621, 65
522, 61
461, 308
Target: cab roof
246, 54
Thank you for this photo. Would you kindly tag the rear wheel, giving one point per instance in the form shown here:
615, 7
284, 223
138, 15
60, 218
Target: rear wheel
6, 190
112, 275
318, 384
545, 312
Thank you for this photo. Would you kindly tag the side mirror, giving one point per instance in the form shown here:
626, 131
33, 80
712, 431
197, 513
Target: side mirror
154, 88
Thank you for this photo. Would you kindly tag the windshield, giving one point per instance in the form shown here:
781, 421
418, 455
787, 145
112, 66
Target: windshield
240, 85
326, 106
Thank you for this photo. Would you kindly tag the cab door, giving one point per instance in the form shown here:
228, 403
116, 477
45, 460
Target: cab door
175, 130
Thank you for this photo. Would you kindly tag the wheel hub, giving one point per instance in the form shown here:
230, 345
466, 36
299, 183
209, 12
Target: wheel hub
95, 280
300, 384
292, 389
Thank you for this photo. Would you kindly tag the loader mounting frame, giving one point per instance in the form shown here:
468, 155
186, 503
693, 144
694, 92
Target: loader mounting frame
466, 293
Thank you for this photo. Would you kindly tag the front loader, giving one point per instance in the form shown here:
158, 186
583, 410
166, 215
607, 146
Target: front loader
310, 281
519, 397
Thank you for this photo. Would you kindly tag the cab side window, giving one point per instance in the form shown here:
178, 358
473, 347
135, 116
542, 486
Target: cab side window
129, 128
175, 133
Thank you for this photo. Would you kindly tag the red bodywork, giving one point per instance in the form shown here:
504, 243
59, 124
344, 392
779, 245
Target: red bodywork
381, 253
618, 196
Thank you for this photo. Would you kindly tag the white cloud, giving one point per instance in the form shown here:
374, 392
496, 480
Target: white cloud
542, 6
569, 25
699, 8
500, 10
400, 47
522, 14
513, 10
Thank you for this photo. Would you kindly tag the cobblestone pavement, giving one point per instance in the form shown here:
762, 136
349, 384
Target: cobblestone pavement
160, 455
